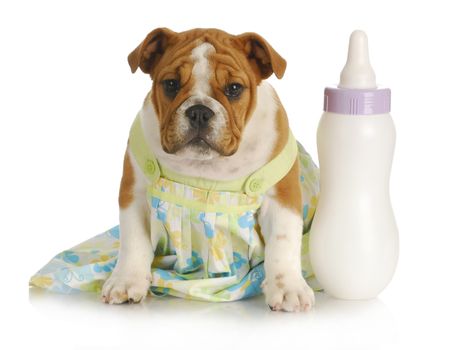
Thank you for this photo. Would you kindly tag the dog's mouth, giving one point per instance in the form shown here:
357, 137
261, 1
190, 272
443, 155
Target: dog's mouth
199, 143
197, 148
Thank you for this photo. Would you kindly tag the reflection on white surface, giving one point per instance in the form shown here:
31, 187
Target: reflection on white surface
350, 324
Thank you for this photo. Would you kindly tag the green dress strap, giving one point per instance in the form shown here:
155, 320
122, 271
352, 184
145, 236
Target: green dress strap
273, 172
142, 153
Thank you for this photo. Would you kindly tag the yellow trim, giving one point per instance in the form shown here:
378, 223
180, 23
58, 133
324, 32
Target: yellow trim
194, 204
236, 185
142, 153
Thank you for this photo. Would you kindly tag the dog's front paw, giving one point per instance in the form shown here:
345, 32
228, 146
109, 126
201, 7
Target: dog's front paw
121, 288
288, 293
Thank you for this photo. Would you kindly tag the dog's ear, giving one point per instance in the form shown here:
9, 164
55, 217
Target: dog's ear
262, 57
149, 52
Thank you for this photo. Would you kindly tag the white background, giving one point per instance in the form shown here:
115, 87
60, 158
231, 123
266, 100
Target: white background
67, 99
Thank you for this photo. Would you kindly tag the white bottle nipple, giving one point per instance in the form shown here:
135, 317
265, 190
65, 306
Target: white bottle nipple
357, 72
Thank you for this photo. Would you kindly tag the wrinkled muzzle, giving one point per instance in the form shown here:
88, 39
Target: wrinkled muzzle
200, 124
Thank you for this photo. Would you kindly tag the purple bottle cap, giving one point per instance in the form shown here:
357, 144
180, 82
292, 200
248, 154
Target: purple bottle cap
357, 101
357, 93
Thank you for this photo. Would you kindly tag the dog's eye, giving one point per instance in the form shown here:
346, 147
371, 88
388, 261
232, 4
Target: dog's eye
233, 90
171, 87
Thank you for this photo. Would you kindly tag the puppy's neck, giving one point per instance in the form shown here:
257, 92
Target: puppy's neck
260, 141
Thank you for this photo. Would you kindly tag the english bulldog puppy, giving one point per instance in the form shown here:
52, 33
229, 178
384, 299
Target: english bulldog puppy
211, 114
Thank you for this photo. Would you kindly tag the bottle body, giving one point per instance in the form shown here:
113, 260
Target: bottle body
354, 239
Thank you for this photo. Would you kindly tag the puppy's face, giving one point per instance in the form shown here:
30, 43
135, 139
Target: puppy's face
204, 86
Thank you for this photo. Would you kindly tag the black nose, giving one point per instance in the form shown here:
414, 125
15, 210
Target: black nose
199, 115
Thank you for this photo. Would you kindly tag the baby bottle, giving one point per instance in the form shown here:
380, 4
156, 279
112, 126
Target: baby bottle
354, 238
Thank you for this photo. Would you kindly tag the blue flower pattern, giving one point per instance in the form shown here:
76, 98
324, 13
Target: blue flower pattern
114, 232
247, 220
238, 262
305, 211
194, 261
70, 257
208, 228
105, 267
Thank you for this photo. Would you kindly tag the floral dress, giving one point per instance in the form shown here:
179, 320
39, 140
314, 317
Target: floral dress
208, 245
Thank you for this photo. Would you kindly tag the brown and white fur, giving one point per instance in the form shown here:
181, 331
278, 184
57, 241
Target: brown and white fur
243, 134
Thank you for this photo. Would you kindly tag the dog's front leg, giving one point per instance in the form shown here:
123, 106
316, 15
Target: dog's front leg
281, 223
131, 277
